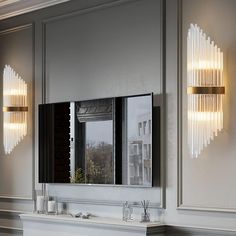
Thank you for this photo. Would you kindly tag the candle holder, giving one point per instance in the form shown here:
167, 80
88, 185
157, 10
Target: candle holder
52, 206
40, 202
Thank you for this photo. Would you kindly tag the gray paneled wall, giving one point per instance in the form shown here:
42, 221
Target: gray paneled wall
204, 178
103, 48
208, 183
105, 52
16, 168
16, 46
100, 50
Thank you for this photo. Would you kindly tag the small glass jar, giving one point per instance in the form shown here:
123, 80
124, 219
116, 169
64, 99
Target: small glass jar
145, 217
40, 202
62, 208
52, 206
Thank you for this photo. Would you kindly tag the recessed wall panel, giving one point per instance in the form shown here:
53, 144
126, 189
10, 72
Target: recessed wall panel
209, 180
16, 47
104, 53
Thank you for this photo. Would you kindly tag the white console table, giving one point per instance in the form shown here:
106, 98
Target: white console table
49, 225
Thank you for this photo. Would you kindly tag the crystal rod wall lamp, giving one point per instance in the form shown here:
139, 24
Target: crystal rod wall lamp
15, 109
205, 89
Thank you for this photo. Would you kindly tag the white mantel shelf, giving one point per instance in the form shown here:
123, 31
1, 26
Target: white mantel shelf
63, 225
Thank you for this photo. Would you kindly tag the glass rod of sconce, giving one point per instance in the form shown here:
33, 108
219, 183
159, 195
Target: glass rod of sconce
15, 108
205, 89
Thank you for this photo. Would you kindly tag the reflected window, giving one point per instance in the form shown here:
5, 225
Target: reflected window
98, 152
139, 140
139, 128
149, 127
144, 127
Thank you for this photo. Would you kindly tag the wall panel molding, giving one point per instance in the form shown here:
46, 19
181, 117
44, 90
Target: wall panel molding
12, 221
15, 29
66, 16
47, 21
11, 230
11, 213
179, 106
88, 10
15, 199
180, 202
7, 2
176, 230
16, 7
163, 104
7, 197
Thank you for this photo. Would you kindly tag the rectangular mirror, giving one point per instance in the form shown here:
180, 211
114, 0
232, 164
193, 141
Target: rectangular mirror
102, 141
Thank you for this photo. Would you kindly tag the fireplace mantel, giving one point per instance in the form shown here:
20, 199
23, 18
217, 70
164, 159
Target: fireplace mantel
63, 225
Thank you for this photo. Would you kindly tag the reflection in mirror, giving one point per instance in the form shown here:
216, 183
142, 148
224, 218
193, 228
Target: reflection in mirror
103, 141
139, 136
91, 137
99, 153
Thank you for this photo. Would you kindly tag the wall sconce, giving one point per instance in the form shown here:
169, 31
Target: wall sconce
14, 109
205, 90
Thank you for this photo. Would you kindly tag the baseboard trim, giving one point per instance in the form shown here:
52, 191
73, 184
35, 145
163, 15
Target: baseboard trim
206, 209
178, 230
11, 213
15, 199
11, 230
